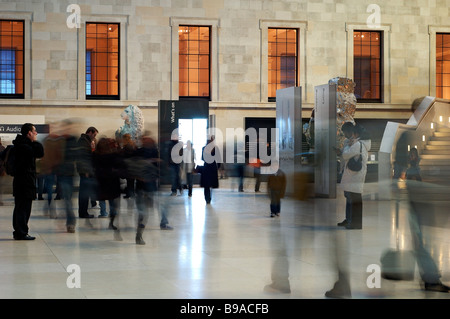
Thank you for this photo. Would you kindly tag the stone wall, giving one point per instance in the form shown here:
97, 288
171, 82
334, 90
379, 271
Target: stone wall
54, 66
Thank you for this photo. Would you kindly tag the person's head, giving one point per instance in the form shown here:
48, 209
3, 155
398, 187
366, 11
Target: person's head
92, 132
29, 131
348, 128
413, 153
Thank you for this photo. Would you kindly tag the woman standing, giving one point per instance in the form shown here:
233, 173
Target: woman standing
209, 178
353, 181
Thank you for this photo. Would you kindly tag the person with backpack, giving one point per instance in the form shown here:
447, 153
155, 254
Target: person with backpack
26, 150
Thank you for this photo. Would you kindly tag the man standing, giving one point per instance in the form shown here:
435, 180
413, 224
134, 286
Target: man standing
24, 184
86, 170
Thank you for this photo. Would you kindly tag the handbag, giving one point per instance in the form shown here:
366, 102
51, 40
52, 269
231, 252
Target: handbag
356, 164
397, 264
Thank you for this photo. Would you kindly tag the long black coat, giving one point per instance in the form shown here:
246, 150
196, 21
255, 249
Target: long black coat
24, 183
209, 172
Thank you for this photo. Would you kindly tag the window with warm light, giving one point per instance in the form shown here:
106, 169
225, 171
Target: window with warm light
102, 60
12, 58
282, 60
367, 65
443, 65
194, 61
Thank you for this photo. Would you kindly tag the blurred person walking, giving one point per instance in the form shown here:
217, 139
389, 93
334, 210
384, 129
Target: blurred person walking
423, 198
109, 167
27, 150
86, 171
65, 172
128, 149
53, 149
144, 166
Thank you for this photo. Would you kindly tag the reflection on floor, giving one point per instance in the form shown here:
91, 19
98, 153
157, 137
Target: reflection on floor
228, 249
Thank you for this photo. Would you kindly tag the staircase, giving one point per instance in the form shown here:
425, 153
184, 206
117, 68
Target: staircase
435, 158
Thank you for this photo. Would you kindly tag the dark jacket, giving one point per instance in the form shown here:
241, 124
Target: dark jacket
24, 183
84, 162
69, 156
109, 168
277, 185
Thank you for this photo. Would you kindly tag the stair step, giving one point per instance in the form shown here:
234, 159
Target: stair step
439, 138
443, 151
434, 162
442, 134
438, 142
435, 157
443, 129
437, 147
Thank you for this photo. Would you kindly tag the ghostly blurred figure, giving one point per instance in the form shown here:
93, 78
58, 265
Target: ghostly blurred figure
53, 153
109, 167
65, 171
143, 167
424, 198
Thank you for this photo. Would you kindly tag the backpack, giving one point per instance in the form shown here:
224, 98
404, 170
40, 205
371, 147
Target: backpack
355, 164
9, 158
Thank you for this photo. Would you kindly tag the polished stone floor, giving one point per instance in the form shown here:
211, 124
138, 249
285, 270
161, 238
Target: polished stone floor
228, 249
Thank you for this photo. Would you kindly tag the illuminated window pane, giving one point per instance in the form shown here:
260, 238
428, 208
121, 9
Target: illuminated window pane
102, 60
282, 59
193, 89
367, 53
443, 65
194, 61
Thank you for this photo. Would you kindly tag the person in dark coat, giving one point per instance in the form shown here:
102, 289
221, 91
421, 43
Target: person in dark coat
109, 167
209, 178
24, 183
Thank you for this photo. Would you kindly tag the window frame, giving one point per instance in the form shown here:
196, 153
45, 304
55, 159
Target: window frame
302, 28
279, 70
385, 79
208, 97
123, 21
26, 17
380, 83
214, 25
433, 30
92, 67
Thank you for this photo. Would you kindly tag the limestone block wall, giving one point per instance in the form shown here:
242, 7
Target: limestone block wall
55, 67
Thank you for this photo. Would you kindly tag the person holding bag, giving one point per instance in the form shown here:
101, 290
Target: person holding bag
356, 148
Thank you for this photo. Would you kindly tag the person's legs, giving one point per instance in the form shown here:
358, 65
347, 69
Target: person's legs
427, 267
189, 183
164, 204
348, 207
66, 183
83, 197
21, 215
207, 192
356, 210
